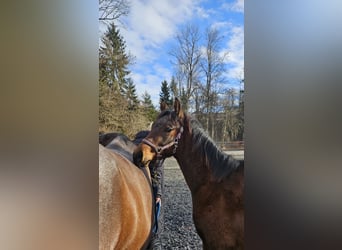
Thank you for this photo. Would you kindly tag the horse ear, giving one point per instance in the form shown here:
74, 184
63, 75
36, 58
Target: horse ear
163, 106
178, 108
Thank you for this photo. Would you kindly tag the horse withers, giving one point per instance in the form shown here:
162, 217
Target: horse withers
125, 202
215, 179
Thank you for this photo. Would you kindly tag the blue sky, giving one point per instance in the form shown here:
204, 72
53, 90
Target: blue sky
150, 30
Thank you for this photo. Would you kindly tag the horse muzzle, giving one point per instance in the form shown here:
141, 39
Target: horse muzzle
142, 156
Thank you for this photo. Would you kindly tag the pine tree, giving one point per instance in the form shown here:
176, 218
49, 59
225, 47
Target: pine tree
130, 94
149, 109
113, 77
147, 101
113, 59
165, 93
119, 109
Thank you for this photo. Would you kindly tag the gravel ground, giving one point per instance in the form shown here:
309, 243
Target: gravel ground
179, 230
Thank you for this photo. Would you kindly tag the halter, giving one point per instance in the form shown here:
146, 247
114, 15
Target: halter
159, 149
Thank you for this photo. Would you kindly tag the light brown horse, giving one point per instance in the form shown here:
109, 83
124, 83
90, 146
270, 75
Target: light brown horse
215, 179
125, 202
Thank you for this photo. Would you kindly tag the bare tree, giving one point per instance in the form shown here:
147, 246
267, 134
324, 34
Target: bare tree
110, 10
187, 57
231, 126
212, 67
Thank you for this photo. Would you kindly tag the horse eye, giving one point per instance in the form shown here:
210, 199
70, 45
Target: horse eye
168, 129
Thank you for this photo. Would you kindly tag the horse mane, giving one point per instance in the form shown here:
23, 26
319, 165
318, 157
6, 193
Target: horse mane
221, 164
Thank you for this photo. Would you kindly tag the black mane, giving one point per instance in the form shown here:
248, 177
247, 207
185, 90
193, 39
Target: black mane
221, 164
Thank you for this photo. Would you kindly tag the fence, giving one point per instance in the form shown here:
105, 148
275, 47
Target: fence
233, 145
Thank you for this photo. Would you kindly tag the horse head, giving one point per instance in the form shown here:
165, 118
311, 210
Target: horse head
164, 137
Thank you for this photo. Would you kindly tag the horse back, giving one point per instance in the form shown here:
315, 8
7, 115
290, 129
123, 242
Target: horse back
125, 203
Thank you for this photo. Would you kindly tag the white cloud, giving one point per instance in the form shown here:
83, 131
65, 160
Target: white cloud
149, 25
202, 13
237, 6
152, 22
222, 26
235, 48
149, 83
150, 80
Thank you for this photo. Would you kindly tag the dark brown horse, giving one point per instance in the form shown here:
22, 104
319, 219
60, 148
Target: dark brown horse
125, 198
215, 179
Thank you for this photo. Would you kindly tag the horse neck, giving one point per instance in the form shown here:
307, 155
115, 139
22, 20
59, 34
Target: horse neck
191, 163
